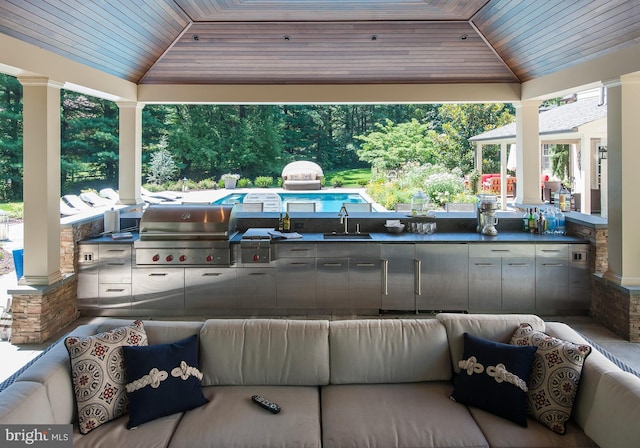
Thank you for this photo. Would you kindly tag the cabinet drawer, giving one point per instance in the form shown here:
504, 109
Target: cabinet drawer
552, 250
115, 251
501, 250
349, 250
286, 250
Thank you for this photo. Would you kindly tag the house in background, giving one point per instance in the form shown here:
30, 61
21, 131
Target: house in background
581, 124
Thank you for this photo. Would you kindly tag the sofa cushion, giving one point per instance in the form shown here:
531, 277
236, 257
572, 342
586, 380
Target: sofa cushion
264, 352
163, 379
501, 433
158, 331
555, 377
495, 327
231, 419
388, 351
25, 402
156, 434
98, 374
494, 377
614, 421
416, 415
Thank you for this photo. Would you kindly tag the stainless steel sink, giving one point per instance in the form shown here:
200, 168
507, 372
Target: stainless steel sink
346, 236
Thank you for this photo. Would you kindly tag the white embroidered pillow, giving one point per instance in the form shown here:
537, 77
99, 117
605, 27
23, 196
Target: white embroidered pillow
554, 381
98, 374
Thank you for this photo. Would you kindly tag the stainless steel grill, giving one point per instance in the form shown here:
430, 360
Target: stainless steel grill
186, 235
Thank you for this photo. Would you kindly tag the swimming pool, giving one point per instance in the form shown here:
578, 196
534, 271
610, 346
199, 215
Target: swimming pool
325, 202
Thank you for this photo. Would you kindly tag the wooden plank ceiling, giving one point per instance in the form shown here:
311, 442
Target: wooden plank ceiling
325, 41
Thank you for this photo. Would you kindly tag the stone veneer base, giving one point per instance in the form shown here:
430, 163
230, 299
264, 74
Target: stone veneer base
616, 307
39, 313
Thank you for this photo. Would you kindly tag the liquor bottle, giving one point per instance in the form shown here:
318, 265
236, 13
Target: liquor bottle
286, 223
532, 221
280, 223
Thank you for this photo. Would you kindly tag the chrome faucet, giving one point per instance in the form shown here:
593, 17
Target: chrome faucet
344, 219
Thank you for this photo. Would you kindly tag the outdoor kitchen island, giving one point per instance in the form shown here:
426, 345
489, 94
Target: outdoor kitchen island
453, 269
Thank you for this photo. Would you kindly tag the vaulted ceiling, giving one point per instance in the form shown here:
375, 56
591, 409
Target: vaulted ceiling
325, 41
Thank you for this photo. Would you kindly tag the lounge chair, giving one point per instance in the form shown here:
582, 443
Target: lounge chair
66, 209
249, 207
163, 195
74, 201
110, 194
96, 201
302, 175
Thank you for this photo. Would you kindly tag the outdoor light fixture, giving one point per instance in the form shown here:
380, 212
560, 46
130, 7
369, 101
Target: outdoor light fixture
602, 152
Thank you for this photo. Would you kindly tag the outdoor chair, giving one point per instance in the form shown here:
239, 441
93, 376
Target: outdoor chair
403, 207
460, 207
74, 201
271, 200
96, 201
357, 206
301, 207
249, 206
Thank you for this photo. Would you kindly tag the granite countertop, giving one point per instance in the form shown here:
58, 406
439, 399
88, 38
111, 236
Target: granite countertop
437, 237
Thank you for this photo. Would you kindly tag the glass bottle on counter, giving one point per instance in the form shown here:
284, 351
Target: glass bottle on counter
419, 204
286, 223
280, 223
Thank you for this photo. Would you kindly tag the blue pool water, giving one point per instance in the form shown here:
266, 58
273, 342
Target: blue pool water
325, 202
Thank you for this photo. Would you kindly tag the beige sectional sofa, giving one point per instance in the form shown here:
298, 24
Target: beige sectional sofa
343, 383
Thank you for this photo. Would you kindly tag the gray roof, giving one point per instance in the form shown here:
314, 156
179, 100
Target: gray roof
561, 119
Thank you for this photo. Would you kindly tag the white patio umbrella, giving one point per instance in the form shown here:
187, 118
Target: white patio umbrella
511, 160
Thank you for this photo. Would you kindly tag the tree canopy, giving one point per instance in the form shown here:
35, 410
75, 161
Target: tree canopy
206, 141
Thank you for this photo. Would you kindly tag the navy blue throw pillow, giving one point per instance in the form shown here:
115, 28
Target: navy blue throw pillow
163, 379
493, 376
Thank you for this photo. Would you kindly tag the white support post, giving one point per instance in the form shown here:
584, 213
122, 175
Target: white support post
130, 166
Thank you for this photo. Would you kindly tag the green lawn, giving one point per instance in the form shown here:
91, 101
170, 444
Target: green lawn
13, 209
351, 177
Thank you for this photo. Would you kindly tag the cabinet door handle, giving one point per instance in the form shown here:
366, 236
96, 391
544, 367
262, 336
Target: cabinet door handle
298, 250
484, 265
257, 273
519, 265
211, 274
299, 265
114, 290
115, 250
385, 277
417, 268
550, 251
158, 274
365, 265
500, 250
552, 265
332, 265
115, 263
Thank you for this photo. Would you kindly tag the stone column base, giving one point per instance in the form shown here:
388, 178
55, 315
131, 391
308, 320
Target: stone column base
616, 307
39, 313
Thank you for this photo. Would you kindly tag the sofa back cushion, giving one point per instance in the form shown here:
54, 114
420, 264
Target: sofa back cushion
26, 402
388, 351
158, 331
264, 352
495, 327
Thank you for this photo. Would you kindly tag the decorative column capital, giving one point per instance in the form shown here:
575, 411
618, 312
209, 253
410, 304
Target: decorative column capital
39, 81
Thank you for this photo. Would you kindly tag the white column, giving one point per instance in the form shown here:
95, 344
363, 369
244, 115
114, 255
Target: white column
528, 153
584, 174
623, 116
479, 163
130, 166
41, 193
503, 175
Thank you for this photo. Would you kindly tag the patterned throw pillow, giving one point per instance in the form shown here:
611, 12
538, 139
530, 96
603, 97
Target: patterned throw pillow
493, 376
553, 384
98, 373
164, 379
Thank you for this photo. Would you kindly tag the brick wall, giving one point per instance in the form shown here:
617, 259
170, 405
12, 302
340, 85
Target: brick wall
40, 313
70, 235
598, 245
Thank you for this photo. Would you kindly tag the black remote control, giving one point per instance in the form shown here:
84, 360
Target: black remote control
268, 405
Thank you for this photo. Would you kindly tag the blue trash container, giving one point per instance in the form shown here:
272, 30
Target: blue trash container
18, 262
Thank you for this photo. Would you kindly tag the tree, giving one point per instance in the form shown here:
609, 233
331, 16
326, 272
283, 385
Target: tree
162, 168
458, 123
395, 144
11, 166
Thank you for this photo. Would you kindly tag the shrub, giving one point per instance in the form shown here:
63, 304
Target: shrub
162, 167
363, 182
206, 184
263, 181
243, 182
338, 181
442, 187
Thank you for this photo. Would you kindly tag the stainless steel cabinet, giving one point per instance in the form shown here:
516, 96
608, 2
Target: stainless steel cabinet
210, 288
88, 284
256, 287
296, 287
552, 276
443, 277
365, 283
332, 283
502, 277
485, 283
579, 277
158, 288
399, 287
